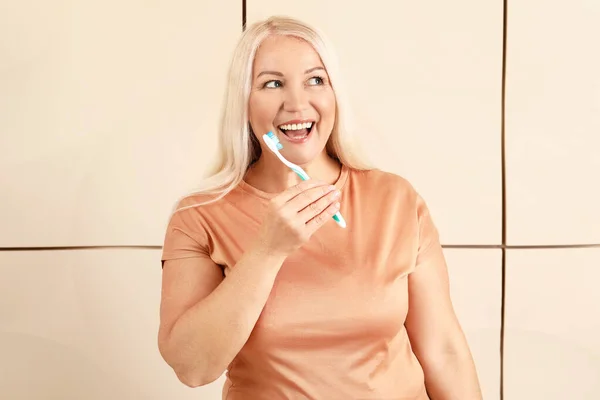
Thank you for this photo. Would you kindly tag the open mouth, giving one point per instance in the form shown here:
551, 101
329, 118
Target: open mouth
297, 132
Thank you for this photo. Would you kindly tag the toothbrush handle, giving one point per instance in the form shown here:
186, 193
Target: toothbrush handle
303, 177
337, 217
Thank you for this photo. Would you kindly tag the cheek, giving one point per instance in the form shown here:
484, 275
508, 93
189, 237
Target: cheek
261, 110
326, 107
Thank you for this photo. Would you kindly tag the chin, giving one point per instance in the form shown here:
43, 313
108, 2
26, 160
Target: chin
301, 158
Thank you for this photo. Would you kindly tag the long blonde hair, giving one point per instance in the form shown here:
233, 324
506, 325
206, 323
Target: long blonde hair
237, 147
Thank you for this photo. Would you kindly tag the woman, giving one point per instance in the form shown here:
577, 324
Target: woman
261, 282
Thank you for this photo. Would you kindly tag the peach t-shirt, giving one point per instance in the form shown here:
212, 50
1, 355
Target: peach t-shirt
333, 325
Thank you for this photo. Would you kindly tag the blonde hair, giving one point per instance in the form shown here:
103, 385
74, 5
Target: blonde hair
237, 147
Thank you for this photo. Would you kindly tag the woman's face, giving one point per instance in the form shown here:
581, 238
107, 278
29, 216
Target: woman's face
291, 96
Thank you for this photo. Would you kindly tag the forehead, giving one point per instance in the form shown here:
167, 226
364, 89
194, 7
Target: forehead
281, 53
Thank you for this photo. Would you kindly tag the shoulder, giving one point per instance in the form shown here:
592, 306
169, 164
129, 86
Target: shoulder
388, 192
191, 210
199, 202
392, 194
384, 184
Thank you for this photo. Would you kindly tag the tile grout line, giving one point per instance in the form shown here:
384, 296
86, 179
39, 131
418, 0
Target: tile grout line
243, 15
448, 246
503, 179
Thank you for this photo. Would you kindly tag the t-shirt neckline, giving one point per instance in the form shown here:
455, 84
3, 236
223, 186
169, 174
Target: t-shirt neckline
339, 184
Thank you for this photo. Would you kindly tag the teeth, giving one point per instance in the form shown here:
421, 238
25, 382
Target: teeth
296, 127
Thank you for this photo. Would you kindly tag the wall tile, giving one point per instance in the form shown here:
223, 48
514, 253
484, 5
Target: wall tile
552, 345
109, 114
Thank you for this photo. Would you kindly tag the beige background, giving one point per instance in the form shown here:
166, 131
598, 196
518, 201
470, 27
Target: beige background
108, 112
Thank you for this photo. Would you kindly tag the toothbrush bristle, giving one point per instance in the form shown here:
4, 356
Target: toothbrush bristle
276, 140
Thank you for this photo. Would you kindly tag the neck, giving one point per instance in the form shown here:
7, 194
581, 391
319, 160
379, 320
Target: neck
270, 175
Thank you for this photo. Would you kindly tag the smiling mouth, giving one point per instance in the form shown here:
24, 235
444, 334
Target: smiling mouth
297, 131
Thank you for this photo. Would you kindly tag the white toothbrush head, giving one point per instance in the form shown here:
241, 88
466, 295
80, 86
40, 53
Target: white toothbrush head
273, 142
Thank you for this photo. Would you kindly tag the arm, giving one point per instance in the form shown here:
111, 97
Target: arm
205, 319
435, 333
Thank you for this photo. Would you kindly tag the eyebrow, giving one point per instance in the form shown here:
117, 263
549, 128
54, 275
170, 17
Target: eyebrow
308, 71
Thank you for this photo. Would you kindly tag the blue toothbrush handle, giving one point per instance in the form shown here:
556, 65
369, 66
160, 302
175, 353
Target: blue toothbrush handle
337, 217
303, 177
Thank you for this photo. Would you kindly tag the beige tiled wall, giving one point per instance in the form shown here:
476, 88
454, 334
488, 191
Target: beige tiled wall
553, 122
476, 289
552, 324
552, 318
108, 112
82, 325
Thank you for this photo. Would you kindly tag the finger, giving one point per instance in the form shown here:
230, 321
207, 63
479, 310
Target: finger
316, 207
295, 190
323, 217
307, 198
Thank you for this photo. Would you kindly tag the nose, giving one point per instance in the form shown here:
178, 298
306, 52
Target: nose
295, 99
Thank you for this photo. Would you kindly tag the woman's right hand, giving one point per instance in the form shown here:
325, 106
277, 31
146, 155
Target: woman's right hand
295, 214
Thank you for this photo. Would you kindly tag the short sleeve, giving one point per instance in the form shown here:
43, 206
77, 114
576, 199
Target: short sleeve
184, 238
429, 248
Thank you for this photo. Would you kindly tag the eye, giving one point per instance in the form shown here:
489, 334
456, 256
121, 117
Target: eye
316, 80
272, 84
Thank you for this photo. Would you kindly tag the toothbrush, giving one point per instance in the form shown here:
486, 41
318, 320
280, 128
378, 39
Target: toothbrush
275, 145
